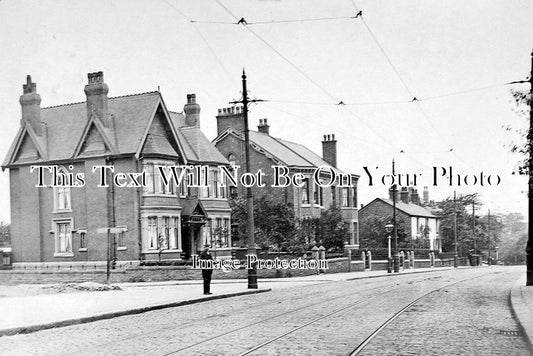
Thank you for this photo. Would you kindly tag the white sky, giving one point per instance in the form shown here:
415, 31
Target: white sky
438, 47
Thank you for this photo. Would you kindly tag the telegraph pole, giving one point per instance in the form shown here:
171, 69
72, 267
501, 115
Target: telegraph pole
250, 228
488, 235
454, 230
474, 230
529, 246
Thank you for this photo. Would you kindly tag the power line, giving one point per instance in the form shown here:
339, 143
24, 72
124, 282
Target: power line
408, 90
241, 22
213, 52
391, 102
280, 54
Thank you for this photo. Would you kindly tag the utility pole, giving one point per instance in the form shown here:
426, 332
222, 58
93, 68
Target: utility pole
250, 228
396, 257
474, 230
454, 230
529, 246
488, 235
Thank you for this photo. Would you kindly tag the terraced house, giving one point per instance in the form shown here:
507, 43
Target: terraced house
266, 151
132, 133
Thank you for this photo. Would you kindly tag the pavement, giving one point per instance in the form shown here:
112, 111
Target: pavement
521, 299
30, 313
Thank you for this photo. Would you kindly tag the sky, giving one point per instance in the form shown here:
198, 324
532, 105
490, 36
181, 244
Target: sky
454, 57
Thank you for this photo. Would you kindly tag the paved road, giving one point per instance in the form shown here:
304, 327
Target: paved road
461, 312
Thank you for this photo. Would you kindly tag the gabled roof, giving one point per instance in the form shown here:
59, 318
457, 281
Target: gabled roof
131, 116
25, 132
288, 153
196, 146
410, 209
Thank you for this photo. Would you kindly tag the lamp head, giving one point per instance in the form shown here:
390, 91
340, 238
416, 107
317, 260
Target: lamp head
389, 228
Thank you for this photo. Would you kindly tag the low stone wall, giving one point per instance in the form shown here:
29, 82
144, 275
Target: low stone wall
126, 272
131, 271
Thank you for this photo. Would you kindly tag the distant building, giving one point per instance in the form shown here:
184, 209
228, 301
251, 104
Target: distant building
267, 151
133, 133
417, 221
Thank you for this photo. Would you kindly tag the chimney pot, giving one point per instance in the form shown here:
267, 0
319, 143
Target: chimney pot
192, 111
263, 126
329, 151
96, 91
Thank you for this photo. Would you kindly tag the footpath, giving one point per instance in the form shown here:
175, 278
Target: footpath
21, 313
522, 305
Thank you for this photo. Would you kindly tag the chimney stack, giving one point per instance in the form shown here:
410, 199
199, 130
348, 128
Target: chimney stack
263, 126
391, 196
30, 103
415, 198
405, 195
329, 150
192, 111
232, 117
96, 91
426, 195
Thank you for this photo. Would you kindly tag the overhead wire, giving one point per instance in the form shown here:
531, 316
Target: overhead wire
274, 21
402, 81
213, 52
294, 66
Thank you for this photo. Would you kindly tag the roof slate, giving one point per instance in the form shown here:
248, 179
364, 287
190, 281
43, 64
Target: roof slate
290, 153
131, 115
410, 209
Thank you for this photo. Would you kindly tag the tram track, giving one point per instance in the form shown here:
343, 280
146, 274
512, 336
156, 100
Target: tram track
361, 346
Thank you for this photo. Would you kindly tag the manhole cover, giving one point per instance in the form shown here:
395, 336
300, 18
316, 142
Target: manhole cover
510, 332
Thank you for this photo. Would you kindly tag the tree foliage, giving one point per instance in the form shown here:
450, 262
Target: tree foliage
5, 237
275, 224
278, 229
373, 233
522, 101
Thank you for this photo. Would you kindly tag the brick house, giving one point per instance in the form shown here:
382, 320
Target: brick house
267, 151
133, 133
417, 221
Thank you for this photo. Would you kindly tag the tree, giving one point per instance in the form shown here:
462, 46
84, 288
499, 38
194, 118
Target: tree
5, 237
373, 234
513, 239
522, 101
465, 235
275, 224
333, 232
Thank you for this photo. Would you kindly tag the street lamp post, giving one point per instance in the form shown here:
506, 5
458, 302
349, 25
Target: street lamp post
389, 228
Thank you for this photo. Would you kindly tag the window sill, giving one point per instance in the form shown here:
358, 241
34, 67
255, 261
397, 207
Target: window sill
163, 251
82, 249
122, 248
169, 195
63, 254
62, 211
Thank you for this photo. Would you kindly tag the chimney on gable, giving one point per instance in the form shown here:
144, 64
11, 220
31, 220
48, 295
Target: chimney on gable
263, 126
329, 150
426, 195
192, 111
96, 91
30, 103
232, 117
